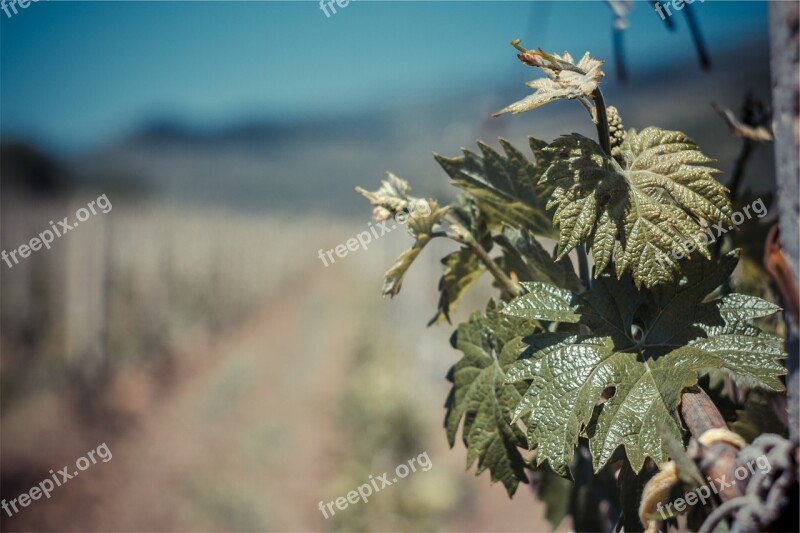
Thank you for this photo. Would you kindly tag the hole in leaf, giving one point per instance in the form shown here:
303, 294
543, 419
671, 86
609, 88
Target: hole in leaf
637, 333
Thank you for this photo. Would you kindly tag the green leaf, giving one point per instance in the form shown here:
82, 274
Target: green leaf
534, 263
631, 487
565, 80
480, 396
504, 187
760, 415
562, 393
594, 504
544, 302
749, 355
555, 493
643, 350
592, 500
461, 270
393, 279
662, 198
752, 358
741, 307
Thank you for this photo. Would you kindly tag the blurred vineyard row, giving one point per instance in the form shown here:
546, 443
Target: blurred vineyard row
122, 288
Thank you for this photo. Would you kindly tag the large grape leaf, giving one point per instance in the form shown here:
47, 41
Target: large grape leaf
643, 349
504, 187
644, 213
480, 396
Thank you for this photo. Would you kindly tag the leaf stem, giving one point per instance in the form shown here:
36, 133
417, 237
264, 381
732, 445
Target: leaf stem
601, 121
513, 288
462, 235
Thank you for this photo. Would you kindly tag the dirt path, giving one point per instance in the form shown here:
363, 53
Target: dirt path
236, 436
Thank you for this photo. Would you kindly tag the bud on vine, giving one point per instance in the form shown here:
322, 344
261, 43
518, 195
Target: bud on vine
616, 131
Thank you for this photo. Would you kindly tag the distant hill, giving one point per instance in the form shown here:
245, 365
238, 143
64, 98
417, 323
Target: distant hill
314, 163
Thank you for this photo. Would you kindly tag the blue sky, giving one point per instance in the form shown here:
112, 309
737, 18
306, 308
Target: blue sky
76, 75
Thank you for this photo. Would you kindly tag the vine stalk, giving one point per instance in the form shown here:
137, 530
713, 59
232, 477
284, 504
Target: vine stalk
601, 121
465, 237
513, 288
700, 415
